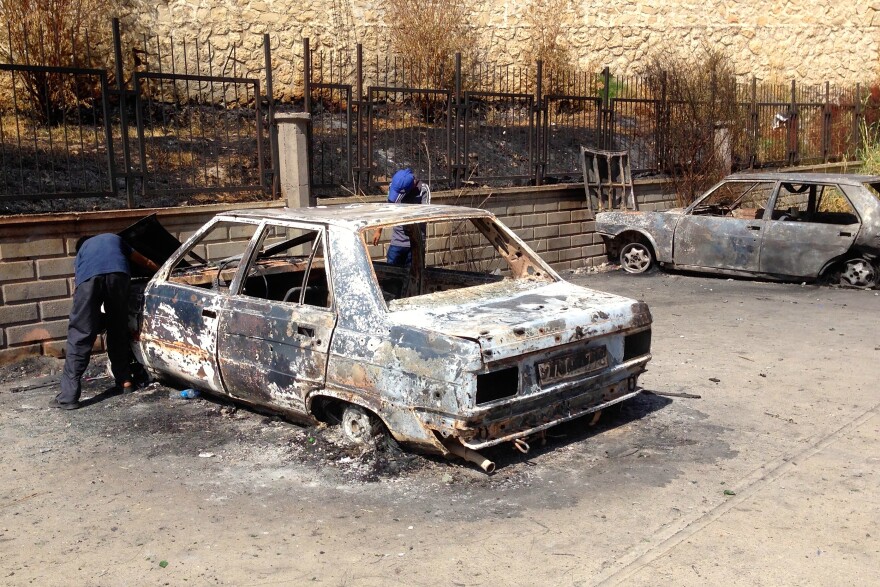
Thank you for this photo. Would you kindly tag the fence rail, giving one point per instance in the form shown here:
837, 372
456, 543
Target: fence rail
491, 125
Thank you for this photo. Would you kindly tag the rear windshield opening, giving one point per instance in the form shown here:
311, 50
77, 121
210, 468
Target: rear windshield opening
423, 258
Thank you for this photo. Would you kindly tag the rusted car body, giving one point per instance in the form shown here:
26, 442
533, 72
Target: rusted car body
476, 342
795, 226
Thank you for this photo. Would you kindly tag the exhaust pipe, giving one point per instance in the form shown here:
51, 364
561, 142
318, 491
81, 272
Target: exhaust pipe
471, 456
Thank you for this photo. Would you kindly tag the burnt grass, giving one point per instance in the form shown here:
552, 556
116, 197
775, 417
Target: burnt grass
199, 148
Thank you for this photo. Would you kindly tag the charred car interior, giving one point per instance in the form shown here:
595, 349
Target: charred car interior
476, 341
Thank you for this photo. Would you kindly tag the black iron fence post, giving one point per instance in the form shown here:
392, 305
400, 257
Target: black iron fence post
605, 129
456, 154
826, 124
793, 126
662, 130
857, 117
357, 168
270, 116
123, 117
535, 150
307, 101
753, 123
712, 121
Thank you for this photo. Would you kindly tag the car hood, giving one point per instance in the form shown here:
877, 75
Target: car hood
148, 237
514, 317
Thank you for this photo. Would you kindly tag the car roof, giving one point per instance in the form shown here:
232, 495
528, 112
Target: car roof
357, 216
796, 177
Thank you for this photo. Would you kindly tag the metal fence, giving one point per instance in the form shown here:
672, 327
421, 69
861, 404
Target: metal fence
170, 122
489, 125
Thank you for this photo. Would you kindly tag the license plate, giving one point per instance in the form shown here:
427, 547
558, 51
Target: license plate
572, 365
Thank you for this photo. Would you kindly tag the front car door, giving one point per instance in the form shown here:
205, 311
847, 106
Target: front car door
178, 335
723, 229
811, 224
275, 329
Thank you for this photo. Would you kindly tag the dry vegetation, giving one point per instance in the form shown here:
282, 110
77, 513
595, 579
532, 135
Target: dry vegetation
58, 33
869, 150
548, 40
701, 94
429, 33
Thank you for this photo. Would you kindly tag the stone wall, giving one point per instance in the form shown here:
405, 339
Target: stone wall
810, 41
36, 252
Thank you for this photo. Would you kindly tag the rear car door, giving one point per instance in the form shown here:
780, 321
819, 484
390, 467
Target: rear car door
275, 329
811, 224
723, 229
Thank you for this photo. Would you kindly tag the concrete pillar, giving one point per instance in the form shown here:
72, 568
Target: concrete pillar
723, 147
293, 155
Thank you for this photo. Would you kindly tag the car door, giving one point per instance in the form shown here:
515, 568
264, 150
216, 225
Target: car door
723, 229
810, 225
178, 335
275, 331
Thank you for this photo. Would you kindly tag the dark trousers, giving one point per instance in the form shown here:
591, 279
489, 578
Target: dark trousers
86, 323
399, 256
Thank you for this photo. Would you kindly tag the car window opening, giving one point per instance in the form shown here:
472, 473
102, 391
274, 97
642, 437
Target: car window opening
288, 266
813, 203
738, 199
213, 259
451, 255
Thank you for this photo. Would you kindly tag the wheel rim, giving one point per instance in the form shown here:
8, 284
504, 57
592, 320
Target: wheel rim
357, 424
635, 258
859, 273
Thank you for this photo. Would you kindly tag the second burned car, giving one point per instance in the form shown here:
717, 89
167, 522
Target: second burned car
788, 226
477, 342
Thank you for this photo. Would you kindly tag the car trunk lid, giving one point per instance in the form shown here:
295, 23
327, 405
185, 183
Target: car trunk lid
509, 319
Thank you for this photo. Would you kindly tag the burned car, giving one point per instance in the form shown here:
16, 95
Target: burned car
789, 226
475, 342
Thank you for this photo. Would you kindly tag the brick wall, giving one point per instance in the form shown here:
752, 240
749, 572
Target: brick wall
36, 252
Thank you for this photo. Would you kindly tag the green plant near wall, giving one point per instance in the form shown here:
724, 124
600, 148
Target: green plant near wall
615, 86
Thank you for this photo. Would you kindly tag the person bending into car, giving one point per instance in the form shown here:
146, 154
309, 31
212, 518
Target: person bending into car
405, 188
101, 276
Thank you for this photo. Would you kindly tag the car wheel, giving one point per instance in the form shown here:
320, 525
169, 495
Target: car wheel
359, 425
636, 257
858, 273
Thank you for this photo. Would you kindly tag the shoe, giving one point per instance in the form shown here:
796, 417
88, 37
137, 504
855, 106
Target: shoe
57, 404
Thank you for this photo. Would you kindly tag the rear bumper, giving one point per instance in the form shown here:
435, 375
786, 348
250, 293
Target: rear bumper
528, 415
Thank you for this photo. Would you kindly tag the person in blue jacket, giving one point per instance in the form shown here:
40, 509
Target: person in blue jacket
101, 276
405, 188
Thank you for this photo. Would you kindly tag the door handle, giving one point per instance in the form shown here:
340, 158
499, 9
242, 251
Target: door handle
753, 227
209, 313
305, 331
845, 233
